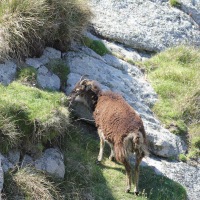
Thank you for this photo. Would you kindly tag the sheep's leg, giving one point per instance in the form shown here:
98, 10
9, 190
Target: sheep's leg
112, 153
136, 173
102, 144
128, 176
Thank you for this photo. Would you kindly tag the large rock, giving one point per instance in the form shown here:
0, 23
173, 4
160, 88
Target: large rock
192, 8
151, 25
52, 161
45, 78
7, 72
187, 175
119, 76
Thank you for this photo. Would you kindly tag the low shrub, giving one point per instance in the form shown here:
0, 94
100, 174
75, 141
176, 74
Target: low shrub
27, 26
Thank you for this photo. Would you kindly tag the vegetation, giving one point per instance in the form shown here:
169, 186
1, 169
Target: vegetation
31, 25
174, 75
30, 118
85, 179
28, 76
96, 45
29, 183
175, 3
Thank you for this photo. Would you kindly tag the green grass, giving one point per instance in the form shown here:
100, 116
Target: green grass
33, 115
96, 45
28, 25
175, 3
84, 178
27, 76
174, 75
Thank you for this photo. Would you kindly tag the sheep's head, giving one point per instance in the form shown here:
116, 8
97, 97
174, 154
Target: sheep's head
85, 87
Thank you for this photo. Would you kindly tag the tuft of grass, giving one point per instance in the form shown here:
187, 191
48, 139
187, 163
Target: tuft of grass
37, 116
27, 26
174, 75
84, 179
27, 76
60, 68
182, 157
9, 135
175, 3
96, 45
28, 183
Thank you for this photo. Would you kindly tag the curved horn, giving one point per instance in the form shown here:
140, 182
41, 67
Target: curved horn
82, 77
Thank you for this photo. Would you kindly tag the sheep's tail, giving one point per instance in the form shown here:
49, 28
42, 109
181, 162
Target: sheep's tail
120, 154
140, 144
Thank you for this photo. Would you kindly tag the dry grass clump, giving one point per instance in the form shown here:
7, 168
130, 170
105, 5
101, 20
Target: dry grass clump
9, 135
28, 25
28, 183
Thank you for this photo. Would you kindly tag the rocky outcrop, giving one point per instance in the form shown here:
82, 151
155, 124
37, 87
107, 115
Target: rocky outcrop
151, 25
191, 8
51, 161
45, 78
119, 76
187, 175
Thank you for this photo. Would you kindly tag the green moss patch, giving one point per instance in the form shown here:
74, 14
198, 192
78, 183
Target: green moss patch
96, 45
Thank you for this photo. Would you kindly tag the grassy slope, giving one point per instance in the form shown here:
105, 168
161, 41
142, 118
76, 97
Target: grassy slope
85, 179
174, 75
29, 116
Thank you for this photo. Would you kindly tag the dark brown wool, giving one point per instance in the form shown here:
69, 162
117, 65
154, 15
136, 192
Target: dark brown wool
117, 119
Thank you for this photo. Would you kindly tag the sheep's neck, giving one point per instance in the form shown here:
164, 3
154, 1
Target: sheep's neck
90, 100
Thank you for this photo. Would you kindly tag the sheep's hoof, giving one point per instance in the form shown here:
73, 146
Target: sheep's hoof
98, 162
112, 158
136, 193
127, 190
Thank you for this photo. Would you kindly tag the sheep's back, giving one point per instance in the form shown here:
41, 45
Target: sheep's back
115, 117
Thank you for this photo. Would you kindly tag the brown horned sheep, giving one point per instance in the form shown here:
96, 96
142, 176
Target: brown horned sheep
118, 124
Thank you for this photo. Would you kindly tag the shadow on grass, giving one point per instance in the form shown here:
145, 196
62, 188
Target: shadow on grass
86, 180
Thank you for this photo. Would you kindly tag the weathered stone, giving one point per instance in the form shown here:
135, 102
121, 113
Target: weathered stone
47, 80
7, 72
187, 175
27, 161
14, 156
51, 53
117, 75
147, 25
192, 8
51, 162
5, 163
34, 62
